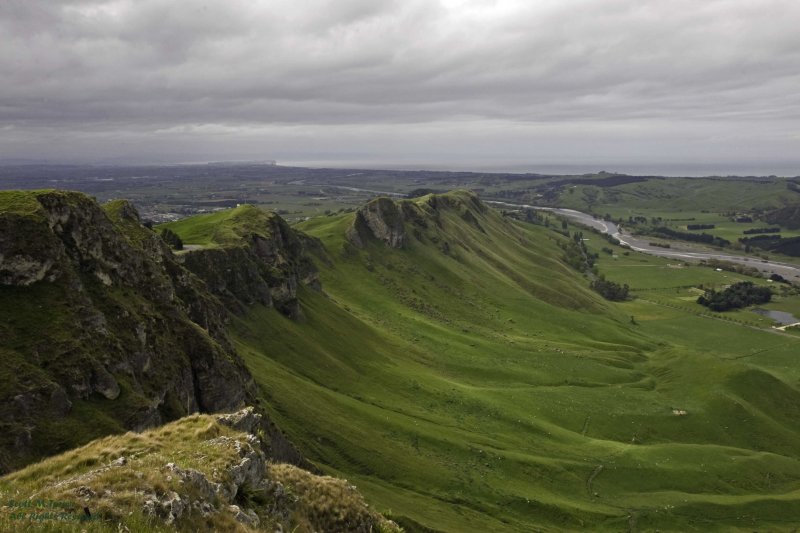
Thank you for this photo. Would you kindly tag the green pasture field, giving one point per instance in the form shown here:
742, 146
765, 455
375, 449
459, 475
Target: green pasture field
672, 282
678, 220
679, 202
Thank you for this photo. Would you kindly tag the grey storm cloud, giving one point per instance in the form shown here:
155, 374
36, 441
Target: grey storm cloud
603, 77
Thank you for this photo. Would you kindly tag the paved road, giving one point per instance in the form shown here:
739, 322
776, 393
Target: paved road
784, 269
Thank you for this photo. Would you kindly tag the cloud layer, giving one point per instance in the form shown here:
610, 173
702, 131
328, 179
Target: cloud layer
401, 79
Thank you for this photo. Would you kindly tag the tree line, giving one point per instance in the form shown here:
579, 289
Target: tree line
738, 295
610, 290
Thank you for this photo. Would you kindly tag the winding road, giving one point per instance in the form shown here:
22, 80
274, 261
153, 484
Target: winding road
786, 270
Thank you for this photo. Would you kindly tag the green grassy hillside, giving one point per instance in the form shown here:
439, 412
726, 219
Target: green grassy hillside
684, 194
469, 380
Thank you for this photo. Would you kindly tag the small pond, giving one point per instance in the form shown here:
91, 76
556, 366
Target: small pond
778, 316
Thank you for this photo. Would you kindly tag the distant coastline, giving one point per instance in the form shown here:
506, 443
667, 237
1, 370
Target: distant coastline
690, 170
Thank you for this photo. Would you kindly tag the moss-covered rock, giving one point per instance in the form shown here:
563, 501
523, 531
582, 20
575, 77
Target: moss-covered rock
391, 221
382, 219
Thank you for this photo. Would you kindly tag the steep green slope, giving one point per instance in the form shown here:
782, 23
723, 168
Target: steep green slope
468, 380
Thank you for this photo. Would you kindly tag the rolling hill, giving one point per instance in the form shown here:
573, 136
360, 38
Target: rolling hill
446, 360
468, 380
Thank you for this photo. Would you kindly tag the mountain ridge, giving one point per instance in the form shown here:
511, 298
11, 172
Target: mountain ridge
457, 341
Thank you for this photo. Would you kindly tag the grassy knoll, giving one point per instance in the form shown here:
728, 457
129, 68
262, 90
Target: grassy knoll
482, 386
222, 227
20, 202
123, 482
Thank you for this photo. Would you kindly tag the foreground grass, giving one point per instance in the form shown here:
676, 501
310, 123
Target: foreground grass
104, 485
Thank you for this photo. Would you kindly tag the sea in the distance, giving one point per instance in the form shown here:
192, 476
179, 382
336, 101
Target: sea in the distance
766, 168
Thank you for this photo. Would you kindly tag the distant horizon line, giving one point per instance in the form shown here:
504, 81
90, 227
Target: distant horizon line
743, 170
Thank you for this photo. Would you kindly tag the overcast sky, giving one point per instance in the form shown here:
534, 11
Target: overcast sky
448, 82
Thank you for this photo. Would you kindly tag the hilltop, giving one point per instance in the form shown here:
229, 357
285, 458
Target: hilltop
247, 255
200, 473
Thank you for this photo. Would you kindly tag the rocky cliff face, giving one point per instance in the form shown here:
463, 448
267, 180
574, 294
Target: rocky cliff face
390, 222
380, 219
265, 263
102, 329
